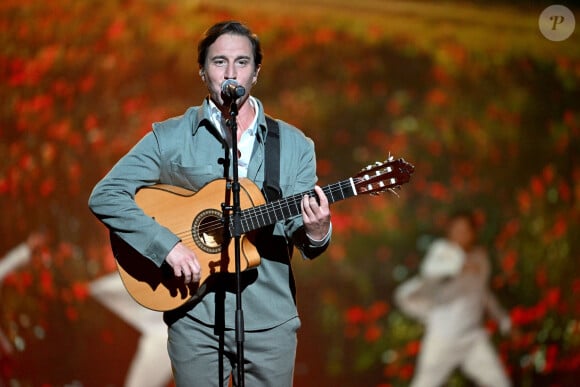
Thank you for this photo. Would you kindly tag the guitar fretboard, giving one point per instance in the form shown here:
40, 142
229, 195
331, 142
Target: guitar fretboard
270, 213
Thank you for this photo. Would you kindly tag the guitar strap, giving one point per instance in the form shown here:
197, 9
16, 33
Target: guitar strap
271, 188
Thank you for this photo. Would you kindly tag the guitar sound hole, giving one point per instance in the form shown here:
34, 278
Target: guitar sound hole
208, 232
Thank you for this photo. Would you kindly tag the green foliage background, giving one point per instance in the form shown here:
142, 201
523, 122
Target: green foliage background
474, 96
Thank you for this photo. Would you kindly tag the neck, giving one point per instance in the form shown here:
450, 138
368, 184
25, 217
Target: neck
246, 113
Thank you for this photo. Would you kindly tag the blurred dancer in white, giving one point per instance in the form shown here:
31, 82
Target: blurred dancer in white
150, 366
14, 259
450, 296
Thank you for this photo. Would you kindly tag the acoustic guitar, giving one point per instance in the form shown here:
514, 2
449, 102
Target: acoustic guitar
198, 219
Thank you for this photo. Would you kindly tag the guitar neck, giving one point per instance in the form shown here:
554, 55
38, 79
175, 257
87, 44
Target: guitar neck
270, 213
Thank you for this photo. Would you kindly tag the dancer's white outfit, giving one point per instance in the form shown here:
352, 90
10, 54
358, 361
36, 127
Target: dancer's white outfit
450, 296
16, 257
151, 366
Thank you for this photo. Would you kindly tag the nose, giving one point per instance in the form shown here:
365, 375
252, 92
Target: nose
230, 71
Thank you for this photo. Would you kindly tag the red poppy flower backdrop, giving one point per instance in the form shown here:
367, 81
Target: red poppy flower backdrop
483, 105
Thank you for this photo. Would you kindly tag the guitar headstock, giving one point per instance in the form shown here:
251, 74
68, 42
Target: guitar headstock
383, 176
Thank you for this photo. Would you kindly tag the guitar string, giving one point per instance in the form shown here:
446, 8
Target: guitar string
330, 190
251, 214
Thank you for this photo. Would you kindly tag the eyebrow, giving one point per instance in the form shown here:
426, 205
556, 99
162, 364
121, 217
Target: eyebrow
226, 58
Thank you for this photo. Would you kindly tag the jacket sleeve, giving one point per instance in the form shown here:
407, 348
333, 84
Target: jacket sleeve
113, 201
305, 179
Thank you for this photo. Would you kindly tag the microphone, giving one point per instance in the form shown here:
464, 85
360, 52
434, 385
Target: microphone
231, 89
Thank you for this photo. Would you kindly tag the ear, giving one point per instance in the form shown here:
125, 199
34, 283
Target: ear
255, 77
202, 74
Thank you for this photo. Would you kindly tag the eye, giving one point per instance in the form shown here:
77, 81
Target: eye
219, 62
243, 62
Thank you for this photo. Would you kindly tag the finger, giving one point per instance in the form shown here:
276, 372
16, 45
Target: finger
194, 263
187, 276
306, 209
312, 209
313, 203
195, 271
323, 200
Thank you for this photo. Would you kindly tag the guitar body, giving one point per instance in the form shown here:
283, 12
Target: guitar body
196, 218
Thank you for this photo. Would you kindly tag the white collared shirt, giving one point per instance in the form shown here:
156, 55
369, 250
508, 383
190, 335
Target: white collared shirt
246, 143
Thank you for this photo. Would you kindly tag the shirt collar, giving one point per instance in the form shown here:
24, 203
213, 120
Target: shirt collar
216, 117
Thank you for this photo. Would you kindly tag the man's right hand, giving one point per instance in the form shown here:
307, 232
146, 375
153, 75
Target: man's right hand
184, 263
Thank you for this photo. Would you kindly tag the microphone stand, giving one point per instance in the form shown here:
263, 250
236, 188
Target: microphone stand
236, 233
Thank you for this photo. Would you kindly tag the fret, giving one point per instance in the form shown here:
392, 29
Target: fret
342, 193
253, 216
261, 212
252, 224
270, 215
328, 192
285, 210
295, 210
278, 211
244, 223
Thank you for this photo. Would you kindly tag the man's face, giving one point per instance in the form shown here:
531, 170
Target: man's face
229, 57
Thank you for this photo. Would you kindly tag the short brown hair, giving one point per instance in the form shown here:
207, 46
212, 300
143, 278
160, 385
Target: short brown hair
227, 27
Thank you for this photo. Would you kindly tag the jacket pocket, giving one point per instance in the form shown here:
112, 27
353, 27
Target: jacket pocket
193, 177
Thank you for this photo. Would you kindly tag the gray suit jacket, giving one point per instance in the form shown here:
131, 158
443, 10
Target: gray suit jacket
187, 151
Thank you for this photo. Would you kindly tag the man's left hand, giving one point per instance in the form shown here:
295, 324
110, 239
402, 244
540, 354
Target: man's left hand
316, 215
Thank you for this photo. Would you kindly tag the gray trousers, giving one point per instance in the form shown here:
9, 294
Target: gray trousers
202, 356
